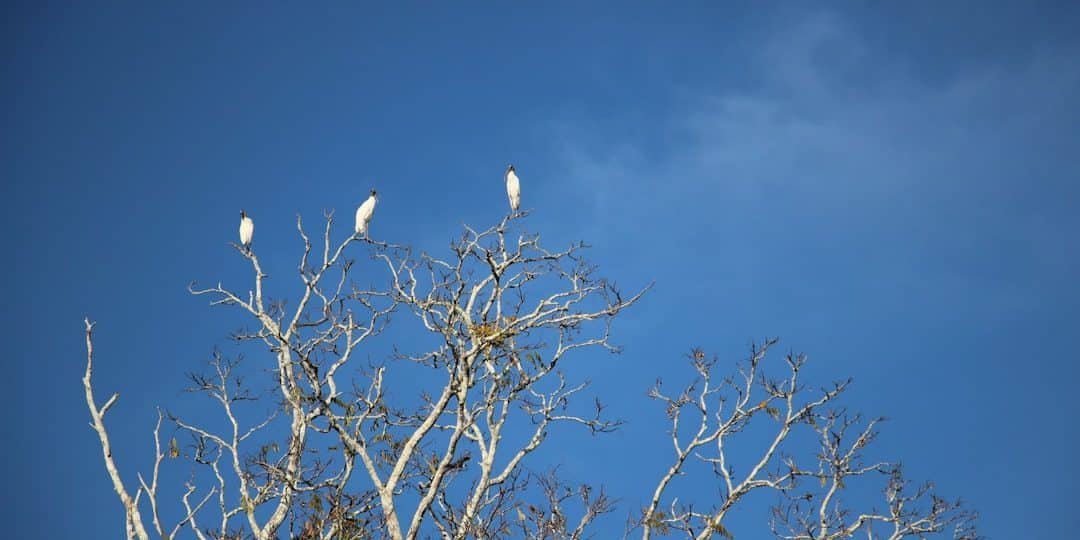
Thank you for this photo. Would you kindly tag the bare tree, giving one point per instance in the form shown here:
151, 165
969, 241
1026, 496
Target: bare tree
706, 417
503, 312
325, 450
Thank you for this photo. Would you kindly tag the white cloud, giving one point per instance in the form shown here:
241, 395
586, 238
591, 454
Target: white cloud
816, 132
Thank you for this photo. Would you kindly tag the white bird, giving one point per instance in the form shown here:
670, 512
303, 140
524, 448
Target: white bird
247, 230
513, 188
364, 213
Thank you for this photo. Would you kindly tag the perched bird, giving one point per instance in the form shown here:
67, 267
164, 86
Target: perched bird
364, 213
247, 230
513, 188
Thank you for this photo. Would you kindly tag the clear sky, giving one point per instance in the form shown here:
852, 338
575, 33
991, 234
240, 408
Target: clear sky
893, 190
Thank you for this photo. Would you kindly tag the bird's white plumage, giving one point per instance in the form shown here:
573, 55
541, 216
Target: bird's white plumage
247, 230
364, 214
513, 189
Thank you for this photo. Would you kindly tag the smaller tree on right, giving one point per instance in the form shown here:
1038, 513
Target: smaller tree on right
809, 480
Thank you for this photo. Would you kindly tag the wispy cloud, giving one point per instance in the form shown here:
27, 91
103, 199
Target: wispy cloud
817, 130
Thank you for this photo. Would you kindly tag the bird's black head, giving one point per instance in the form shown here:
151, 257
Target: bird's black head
510, 168
373, 192
242, 214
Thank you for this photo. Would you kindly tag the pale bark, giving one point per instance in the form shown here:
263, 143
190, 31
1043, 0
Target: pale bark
499, 340
725, 409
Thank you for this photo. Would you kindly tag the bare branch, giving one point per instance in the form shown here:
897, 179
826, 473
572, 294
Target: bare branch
720, 411
135, 528
500, 316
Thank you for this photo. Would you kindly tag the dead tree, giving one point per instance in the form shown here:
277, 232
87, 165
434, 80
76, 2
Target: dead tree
340, 453
707, 418
503, 314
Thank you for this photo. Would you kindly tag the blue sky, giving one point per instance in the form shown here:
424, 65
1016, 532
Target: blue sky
893, 190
